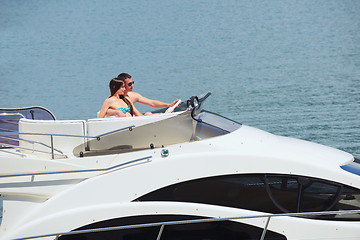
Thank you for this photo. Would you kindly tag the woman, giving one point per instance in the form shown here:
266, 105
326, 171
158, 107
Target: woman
117, 103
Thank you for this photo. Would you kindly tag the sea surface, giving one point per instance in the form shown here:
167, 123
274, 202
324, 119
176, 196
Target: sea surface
288, 67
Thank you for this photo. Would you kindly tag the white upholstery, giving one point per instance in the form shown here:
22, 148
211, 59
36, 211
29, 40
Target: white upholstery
65, 144
93, 127
140, 136
98, 126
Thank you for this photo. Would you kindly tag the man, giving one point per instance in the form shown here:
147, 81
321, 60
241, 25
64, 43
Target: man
136, 97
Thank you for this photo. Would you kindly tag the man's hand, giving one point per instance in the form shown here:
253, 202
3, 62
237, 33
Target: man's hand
173, 103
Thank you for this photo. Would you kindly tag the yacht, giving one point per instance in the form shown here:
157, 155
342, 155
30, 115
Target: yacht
187, 174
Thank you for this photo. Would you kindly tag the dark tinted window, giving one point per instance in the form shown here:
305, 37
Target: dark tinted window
302, 194
265, 193
242, 191
283, 192
225, 230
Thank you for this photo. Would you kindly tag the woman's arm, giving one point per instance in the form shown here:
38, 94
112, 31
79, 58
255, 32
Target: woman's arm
106, 110
113, 112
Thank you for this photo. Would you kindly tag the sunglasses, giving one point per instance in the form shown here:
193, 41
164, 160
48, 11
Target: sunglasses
131, 83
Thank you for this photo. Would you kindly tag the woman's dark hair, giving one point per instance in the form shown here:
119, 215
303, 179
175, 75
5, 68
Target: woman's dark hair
114, 86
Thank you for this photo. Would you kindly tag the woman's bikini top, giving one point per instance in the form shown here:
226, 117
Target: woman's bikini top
125, 110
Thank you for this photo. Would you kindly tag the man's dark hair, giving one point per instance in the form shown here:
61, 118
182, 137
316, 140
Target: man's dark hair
123, 76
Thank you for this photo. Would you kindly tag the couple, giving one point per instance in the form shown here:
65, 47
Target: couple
122, 99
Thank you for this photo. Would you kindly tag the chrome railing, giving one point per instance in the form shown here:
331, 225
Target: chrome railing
71, 135
79, 171
14, 153
29, 141
34, 150
52, 135
12, 114
162, 225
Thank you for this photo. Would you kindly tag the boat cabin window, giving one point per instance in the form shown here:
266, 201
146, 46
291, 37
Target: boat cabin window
271, 193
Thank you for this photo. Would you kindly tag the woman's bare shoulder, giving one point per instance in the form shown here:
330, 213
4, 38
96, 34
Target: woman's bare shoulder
110, 101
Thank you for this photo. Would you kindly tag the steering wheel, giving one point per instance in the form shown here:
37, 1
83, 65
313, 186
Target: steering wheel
171, 109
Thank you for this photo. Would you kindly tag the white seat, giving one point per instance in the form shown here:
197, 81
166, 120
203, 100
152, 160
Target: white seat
136, 138
65, 144
98, 126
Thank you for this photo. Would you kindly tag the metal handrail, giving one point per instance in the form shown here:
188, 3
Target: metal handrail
98, 137
8, 122
15, 153
12, 114
78, 171
203, 220
30, 141
33, 150
69, 135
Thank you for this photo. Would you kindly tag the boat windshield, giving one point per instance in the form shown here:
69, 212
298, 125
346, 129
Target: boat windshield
9, 122
213, 119
185, 105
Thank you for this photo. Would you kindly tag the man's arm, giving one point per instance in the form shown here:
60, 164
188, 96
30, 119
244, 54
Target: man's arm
136, 97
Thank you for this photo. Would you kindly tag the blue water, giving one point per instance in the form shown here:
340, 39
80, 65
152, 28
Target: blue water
288, 67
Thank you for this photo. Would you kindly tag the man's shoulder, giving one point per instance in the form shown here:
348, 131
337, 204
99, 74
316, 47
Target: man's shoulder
134, 95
